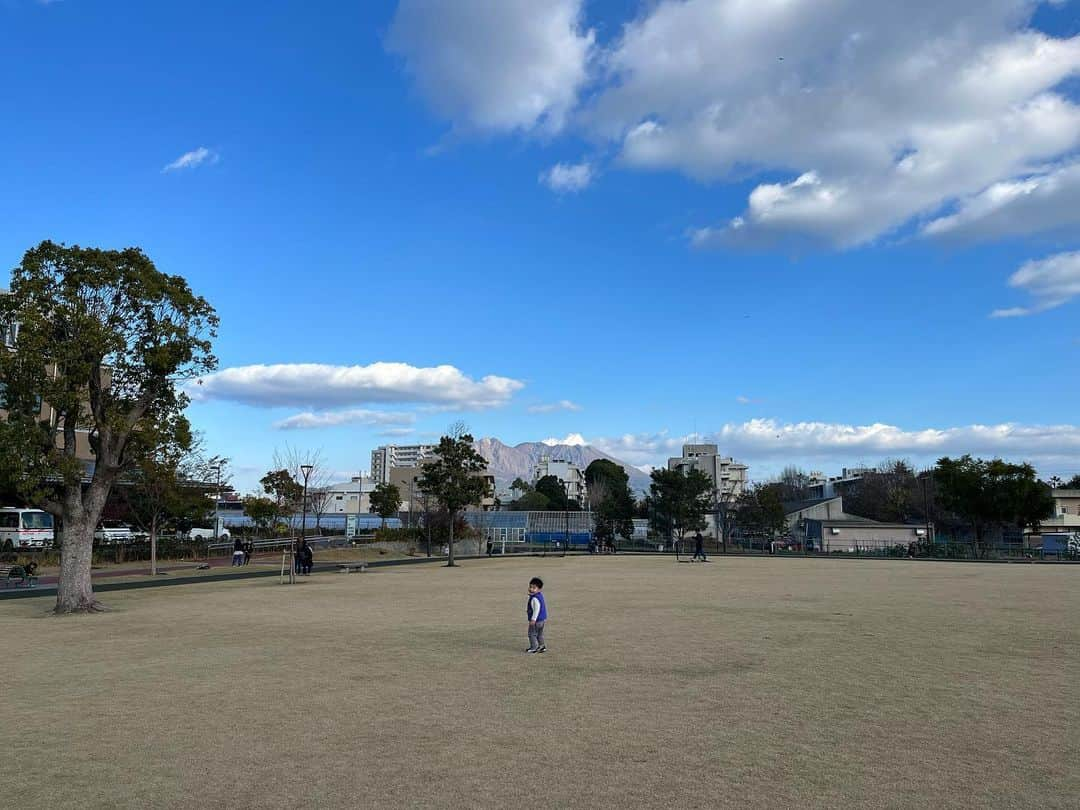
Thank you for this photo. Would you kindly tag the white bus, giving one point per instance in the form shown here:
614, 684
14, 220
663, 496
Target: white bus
25, 528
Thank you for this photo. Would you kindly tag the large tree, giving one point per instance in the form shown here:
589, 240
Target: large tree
454, 478
105, 339
552, 488
679, 501
991, 495
610, 499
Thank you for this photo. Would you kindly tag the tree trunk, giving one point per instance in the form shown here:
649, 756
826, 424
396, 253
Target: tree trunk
450, 547
74, 591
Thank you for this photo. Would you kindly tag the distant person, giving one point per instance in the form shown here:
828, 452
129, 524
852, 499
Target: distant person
238, 552
298, 555
490, 543
307, 558
699, 548
249, 551
536, 611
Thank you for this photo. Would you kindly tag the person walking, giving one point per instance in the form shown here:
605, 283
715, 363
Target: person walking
249, 550
238, 552
699, 548
536, 611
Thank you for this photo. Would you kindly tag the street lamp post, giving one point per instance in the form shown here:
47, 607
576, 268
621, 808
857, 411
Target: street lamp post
306, 470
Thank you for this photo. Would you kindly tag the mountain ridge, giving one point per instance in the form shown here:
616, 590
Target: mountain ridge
507, 462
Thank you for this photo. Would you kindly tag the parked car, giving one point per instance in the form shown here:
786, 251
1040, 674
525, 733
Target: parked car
206, 534
112, 531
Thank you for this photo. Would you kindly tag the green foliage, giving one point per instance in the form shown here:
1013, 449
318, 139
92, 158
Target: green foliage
286, 491
264, 512
531, 502
992, 494
551, 488
385, 501
679, 502
610, 499
453, 479
104, 338
1073, 483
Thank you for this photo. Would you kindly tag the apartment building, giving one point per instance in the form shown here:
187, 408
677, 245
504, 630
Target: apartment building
83, 451
570, 476
729, 477
385, 458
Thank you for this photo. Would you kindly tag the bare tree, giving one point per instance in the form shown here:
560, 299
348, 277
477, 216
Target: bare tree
318, 487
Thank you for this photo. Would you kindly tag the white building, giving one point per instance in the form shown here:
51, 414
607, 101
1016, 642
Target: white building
384, 458
351, 497
728, 476
570, 476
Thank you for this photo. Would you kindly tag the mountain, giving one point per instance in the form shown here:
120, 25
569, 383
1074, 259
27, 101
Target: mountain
507, 463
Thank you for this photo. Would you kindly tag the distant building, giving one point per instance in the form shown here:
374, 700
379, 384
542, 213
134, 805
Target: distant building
384, 458
45, 412
1066, 517
823, 525
570, 476
820, 486
352, 497
727, 475
407, 481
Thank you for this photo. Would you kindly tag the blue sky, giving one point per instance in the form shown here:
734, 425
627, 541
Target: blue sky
791, 228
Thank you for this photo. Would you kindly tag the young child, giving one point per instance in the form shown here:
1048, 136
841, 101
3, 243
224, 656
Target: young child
536, 611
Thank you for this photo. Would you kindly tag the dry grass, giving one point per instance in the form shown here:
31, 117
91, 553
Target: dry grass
742, 683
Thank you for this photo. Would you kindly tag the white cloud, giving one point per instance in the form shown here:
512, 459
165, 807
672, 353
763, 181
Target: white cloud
1051, 282
867, 116
767, 442
879, 113
1045, 201
499, 67
567, 177
189, 160
571, 440
353, 416
321, 386
561, 405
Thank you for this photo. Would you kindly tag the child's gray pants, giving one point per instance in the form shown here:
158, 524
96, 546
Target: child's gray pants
536, 635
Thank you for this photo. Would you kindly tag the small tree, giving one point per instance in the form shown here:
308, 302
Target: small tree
170, 483
105, 339
385, 501
264, 512
286, 492
453, 478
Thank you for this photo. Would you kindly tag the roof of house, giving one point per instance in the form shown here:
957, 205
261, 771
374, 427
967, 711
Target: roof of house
791, 507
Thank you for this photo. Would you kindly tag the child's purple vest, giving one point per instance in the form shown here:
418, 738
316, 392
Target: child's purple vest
543, 606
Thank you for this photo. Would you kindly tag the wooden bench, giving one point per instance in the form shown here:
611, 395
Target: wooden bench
348, 568
16, 575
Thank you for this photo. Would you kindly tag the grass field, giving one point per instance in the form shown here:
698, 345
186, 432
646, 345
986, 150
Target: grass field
746, 683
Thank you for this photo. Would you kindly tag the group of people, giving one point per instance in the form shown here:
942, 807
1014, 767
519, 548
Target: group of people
302, 557
242, 551
601, 546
